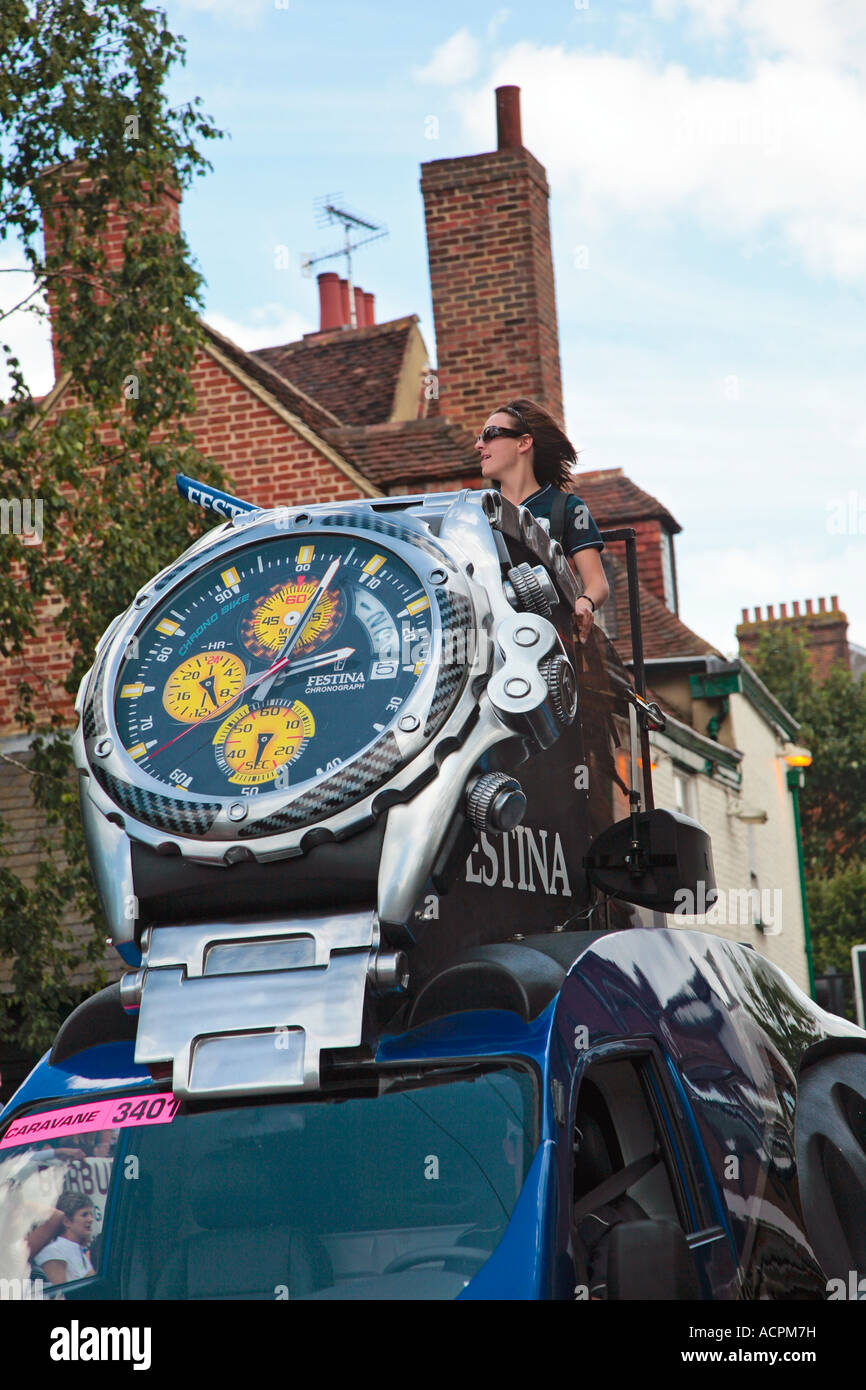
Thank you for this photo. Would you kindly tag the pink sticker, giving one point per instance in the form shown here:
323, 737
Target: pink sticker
93, 1115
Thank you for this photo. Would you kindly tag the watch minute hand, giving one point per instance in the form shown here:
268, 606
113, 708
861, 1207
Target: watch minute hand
295, 635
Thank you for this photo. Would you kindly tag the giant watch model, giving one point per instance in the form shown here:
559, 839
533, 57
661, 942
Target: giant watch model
304, 698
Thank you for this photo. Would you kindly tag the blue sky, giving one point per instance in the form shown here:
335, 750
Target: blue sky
708, 212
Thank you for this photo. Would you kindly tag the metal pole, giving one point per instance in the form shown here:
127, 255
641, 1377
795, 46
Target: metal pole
353, 317
795, 781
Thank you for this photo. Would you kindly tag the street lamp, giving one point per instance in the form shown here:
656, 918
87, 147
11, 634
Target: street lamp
796, 760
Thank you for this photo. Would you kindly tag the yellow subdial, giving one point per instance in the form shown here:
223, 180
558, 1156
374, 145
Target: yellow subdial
272, 620
202, 685
253, 744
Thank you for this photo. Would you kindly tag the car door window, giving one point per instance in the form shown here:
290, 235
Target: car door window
626, 1164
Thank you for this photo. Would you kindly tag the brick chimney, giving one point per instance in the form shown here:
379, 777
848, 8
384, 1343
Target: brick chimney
109, 235
824, 632
491, 275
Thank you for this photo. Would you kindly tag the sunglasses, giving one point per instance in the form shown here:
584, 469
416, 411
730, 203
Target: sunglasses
497, 431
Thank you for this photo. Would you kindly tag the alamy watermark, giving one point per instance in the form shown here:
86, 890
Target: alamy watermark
22, 516
846, 516
852, 1289
18, 1290
735, 907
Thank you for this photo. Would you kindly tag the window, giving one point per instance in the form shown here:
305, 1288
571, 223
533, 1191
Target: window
622, 1129
668, 570
684, 793
345, 1195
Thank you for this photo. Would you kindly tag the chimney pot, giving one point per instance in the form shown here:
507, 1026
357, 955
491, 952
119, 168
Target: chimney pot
360, 308
370, 306
344, 302
770, 614
808, 606
796, 606
745, 615
822, 605
330, 311
757, 615
508, 133
834, 602
783, 610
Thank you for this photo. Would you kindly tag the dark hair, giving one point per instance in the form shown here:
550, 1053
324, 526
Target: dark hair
71, 1202
553, 450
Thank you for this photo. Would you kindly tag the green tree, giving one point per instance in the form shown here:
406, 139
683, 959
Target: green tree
82, 86
832, 715
837, 911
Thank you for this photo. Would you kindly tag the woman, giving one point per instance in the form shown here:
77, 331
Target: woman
526, 454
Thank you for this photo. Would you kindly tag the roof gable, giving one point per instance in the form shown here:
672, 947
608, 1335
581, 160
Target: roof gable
614, 500
353, 373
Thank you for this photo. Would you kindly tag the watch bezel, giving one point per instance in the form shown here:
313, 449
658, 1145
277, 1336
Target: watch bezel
200, 825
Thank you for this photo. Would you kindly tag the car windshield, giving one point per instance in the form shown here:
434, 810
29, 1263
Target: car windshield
402, 1194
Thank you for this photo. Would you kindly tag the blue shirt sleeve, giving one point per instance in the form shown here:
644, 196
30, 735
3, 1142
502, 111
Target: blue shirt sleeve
581, 532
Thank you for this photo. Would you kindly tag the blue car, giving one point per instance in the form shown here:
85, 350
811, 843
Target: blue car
633, 1114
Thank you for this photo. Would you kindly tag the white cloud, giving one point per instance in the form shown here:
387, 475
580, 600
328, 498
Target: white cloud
243, 13
777, 153
456, 60
822, 33
271, 325
26, 333
495, 23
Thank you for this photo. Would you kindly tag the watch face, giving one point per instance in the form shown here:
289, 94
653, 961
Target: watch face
273, 665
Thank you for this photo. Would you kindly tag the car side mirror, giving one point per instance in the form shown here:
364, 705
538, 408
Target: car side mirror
656, 859
650, 1260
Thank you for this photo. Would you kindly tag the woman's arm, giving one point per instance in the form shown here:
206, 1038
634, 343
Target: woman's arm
55, 1271
40, 1235
587, 565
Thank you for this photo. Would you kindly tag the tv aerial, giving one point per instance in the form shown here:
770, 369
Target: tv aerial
331, 210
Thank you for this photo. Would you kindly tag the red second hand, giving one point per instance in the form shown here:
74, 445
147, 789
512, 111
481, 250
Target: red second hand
217, 712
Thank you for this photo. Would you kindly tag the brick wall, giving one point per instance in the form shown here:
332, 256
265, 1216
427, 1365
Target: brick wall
824, 632
491, 275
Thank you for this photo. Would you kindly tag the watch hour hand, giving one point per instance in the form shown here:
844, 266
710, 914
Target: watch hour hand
310, 663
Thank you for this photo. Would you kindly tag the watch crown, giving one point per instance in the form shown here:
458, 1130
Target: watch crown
495, 802
558, 672
531, 590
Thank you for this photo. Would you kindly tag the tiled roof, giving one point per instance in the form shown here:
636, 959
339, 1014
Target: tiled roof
311, 412
409, 451
664, 634
614, 500
352, 373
